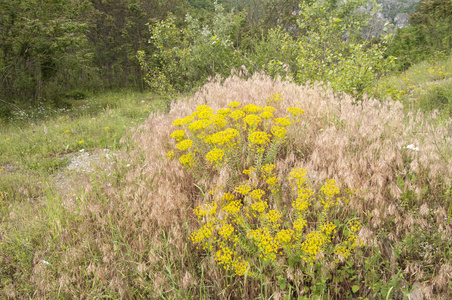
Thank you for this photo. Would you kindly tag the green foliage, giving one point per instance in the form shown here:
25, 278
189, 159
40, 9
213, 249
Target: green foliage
429, 35
330, 50
185, 58
41, 42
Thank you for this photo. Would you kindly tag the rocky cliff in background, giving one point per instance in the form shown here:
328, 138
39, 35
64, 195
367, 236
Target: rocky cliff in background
397, 11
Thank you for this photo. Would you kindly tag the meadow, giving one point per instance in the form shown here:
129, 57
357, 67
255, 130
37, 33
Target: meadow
252, 188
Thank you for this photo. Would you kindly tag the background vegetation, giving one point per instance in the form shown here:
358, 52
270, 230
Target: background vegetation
93, 204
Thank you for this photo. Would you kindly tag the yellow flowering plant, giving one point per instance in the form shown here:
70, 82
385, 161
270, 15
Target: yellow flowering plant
251, 224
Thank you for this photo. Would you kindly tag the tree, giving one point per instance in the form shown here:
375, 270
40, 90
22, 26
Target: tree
42, 50
434, 19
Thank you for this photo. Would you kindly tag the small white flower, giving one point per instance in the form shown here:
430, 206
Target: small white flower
128, 165
45, 262
81, 150
412, 147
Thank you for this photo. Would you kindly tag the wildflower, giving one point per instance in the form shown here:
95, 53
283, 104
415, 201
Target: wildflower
80, 142
268, 168
224, 111
295, 111
216, 155
266, 115
1, 170
187, 160
185, 145
412, 147
259, 206
184, 121
299, 224
248, 171
199, 124
233, 207
240, 267
269, 109
284, 236
170, 155
252, 108
330, 189
237, 114
106, 128
234, 104
243, 189
257, 194
222, 137
279, 132
259, 138
273, 217
178, 135
252, 120
282, 122
67, 131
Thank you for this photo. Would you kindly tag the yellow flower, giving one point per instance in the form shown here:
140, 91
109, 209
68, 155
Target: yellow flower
268, 168
67, 131
282, 122
237, 114
224, 111
185, 145
252, 108
279, 132
80, 142
106, 128
222, 137
243, 189
234, 104
170, 154
216, 155
257, 194
184, 121
295, 111
199, 124
266, 115
178, 135
252, 120
259, 206
259, 138
1, 170
187, 160
285, 236
248, 171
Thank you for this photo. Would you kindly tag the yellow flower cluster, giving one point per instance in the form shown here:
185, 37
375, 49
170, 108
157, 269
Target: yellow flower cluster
268, 245
243, 189
312, 246
330, 190
247, 219
178, 135
215, 156
185, 145
344, 250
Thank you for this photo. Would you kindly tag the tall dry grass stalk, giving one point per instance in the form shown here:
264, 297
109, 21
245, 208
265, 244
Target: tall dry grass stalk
132, 239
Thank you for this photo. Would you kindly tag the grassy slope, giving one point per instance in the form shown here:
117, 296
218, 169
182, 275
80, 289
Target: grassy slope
34, 154
37, 228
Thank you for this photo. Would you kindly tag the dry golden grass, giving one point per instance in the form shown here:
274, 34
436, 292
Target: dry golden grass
128, 235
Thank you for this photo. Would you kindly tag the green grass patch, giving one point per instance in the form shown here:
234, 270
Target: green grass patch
426, 85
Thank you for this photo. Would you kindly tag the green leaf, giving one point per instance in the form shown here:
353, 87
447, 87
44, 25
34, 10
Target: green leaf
355, 288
